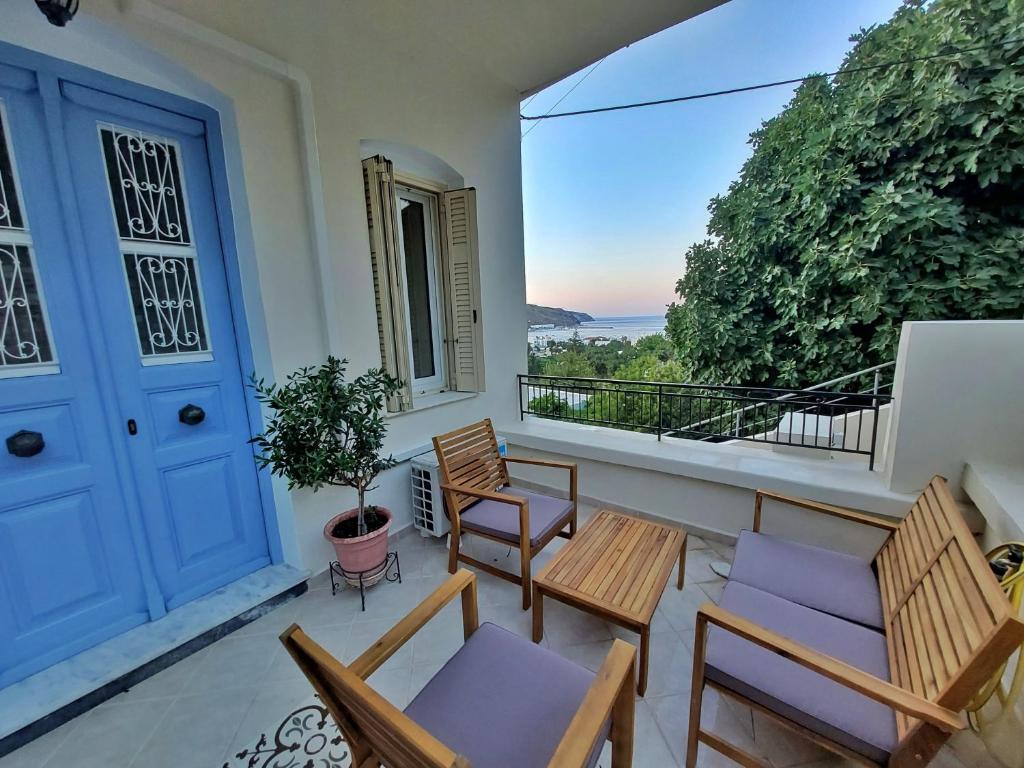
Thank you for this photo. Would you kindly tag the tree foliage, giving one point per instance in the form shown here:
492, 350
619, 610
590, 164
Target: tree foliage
649, 358
881, 196
569, 363
323, 430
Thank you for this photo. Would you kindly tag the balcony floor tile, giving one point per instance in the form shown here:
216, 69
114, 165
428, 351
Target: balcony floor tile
206, 709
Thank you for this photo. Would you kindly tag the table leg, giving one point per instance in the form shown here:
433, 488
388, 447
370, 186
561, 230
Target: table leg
645, 651
538, 614
682, 564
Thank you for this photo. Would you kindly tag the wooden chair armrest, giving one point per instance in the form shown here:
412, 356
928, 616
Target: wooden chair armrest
857, 679
462, 583
615, 676
482, 494
817, 506
570, 465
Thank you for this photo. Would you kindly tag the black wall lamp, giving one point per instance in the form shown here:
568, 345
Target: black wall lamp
58, 12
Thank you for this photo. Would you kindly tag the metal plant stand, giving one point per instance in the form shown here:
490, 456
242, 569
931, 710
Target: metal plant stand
390, 567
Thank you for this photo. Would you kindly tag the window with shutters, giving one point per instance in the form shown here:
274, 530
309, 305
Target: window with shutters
419, 249
426, 282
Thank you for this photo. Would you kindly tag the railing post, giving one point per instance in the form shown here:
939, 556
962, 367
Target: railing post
878, 381
874, 434
521, 416
660, 395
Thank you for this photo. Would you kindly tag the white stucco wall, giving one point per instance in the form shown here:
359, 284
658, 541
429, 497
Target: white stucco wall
709, 488
958, 399
367, 86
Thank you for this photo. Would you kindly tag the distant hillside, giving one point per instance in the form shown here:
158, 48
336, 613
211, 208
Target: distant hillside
556, 316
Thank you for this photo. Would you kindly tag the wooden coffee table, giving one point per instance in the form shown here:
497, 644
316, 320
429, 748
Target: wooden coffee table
616, 567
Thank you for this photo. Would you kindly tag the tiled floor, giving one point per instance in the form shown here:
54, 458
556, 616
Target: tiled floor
203, 710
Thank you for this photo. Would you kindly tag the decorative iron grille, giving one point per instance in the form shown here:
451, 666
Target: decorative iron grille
10, 207
146, 188
24, 338
165, 300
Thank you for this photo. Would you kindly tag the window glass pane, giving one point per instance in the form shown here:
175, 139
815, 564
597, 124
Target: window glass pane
417, 281
10, 209
145, 186
24, 339
167, 304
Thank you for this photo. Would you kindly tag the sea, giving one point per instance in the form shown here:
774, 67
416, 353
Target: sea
601, 328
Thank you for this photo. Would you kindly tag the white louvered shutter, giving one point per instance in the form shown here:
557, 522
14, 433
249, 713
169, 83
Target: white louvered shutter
466, 345
378, 186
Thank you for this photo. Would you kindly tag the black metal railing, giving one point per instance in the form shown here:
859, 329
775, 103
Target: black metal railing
845, 422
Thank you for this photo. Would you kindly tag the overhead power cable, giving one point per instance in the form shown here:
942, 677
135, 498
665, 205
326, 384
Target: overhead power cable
551, 114
579, 82
530, 100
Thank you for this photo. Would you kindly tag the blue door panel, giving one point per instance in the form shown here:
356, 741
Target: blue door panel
173, 438
62, 452
191, 490
69, 574
67, 525
198, 486
108, 526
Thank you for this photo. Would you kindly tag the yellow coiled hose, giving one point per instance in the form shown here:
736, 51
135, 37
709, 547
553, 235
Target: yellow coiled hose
1009, 569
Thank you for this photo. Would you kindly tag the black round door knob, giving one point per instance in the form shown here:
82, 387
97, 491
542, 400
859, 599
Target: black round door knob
191, 414
25, 443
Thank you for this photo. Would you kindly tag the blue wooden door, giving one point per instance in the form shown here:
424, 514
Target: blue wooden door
70, 574
142, 180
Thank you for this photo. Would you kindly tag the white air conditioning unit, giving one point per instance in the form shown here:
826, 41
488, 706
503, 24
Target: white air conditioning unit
427, 498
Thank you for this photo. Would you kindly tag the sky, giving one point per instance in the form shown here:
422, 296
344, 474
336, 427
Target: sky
612, 201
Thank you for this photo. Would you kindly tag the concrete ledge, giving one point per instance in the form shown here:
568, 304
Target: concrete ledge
708, 534
733, 465
998, 492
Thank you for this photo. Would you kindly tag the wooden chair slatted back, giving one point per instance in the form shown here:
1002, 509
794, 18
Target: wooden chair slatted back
946, 619
370, 723
470, 456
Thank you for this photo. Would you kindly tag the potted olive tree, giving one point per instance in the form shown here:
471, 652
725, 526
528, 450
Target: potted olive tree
325, 431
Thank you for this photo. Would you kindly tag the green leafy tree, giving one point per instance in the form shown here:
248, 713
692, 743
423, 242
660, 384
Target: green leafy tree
550, 404
575, 343
323, 430
607, 357
882, 196
534, 363
569, 363
656, 344
648, 367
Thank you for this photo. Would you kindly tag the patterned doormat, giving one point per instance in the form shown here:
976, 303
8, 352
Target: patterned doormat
306, 738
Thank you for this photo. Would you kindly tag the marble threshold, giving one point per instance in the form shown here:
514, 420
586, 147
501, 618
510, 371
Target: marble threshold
49, 698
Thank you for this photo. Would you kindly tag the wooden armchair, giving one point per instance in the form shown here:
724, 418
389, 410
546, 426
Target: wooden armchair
550, 712
872, 660
478, 499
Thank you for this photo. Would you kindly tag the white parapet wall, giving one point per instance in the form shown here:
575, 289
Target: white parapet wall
709, 488
958, 399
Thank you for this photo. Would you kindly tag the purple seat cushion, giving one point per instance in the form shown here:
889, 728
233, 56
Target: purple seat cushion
503, 702
502, 520
804, 696
833, 582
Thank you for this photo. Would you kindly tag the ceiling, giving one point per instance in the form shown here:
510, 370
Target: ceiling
528, 44
531, 44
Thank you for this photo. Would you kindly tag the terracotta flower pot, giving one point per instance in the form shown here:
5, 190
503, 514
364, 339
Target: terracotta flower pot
361, 553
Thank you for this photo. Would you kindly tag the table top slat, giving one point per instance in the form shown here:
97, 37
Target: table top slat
583, 556
638, 568
617, 563
615, 549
